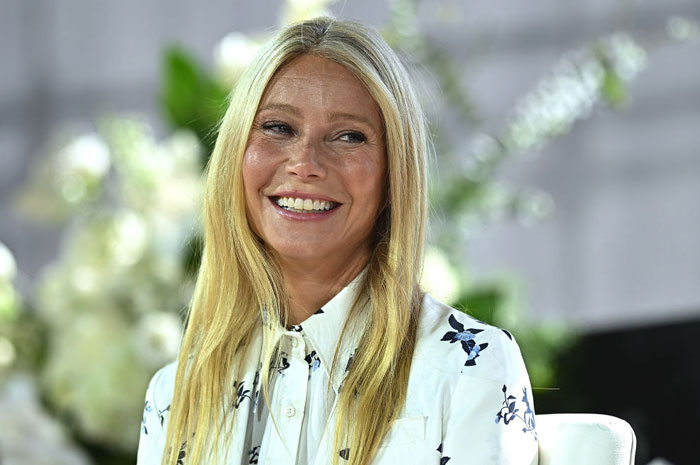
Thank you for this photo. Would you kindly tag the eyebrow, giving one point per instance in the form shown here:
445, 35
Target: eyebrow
281, 107
335, 116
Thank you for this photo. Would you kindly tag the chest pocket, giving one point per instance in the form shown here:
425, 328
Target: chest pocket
404, 432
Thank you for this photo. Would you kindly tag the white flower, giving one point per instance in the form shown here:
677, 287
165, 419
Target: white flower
232, 54
85, 279
128, 238
439, 277
94, 373
28, 433
570, 93
682, 29
299, 10
86, 153
178, 190
158, 335
183, 150
80, 167
7, 353
9, 298
8, 265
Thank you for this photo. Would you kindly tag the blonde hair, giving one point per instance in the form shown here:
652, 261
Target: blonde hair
238, 280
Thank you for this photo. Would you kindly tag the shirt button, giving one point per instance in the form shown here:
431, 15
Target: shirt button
290, 411
295, 342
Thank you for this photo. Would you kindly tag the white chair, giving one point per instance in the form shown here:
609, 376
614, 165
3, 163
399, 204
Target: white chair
585, 439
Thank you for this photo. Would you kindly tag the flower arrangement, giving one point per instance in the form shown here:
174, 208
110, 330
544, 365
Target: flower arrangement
113, 300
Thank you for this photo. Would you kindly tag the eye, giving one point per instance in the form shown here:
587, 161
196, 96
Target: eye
277, 128
353, 137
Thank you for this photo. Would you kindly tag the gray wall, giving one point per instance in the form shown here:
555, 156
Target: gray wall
622, 245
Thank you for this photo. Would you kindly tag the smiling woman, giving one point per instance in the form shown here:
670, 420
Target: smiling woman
315, 216
314, 174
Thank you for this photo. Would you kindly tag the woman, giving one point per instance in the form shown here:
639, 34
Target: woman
308, 339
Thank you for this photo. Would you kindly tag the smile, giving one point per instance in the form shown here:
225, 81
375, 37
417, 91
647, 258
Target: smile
298, 205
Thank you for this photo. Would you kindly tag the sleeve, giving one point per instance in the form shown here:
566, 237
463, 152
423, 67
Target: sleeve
491, 420
155, 413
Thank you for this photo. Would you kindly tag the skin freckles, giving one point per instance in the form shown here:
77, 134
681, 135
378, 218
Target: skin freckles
319, 134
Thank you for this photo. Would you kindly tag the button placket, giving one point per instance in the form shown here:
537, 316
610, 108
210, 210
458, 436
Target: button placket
294, 392
298, 381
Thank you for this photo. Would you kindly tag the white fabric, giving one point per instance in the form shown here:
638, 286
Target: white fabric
468, 400
585, 439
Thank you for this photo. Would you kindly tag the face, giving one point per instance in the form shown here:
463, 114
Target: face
314, 168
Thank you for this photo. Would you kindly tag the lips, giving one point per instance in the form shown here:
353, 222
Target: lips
304, 205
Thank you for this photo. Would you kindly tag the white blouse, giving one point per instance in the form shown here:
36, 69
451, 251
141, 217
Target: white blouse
469, 400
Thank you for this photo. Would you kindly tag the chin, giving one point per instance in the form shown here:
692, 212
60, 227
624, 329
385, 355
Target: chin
298, 252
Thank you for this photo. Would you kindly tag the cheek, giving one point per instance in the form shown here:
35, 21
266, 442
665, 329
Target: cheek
372, 179
254, 178
257, 170
249, 173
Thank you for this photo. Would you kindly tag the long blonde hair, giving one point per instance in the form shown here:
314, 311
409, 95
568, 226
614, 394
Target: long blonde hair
237, 278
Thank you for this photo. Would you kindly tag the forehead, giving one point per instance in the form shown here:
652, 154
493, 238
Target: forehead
311, 82
308, 65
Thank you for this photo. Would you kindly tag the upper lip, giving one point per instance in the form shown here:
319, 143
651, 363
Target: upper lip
303, 195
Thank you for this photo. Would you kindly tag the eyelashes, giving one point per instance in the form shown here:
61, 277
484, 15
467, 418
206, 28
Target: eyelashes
281, 129
277, 127
353, 137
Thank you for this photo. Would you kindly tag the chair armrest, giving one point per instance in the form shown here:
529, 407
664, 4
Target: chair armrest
584, 439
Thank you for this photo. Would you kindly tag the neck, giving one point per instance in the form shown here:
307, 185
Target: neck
311, 285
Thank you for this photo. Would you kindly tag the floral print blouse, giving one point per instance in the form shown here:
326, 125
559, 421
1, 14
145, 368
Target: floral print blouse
469, 400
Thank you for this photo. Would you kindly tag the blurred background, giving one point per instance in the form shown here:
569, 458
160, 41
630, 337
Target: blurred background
566, 185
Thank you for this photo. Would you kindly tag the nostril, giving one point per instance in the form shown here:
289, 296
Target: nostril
305, 169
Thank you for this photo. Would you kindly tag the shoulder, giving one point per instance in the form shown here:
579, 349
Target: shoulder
160, 389
455, 343
155, 416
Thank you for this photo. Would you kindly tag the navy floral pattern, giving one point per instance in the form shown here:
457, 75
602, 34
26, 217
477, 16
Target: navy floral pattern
181, 455
241, 393
467, 338
256, 386
282, 364
510, 411
161, 414
347, 365
146, 410
313, 361
476, 415
443, 459
254, 454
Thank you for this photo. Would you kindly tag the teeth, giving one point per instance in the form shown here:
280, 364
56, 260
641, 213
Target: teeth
303, 205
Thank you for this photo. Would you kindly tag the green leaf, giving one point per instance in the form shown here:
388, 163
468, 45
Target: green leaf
613, 89
485, 303
191, 98
458, 195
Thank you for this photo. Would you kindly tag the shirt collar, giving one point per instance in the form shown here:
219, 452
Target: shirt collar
323, 330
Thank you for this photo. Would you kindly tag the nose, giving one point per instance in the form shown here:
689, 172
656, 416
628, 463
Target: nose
306, 161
